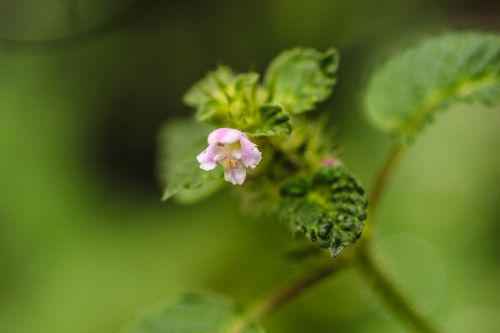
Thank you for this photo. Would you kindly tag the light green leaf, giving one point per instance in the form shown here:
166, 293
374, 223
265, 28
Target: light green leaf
223, 96
272, 121
192, 313
180, 142
330, 208
300, 78
405, 93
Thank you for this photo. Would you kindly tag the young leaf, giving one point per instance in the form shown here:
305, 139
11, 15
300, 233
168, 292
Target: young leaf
192, 313
233, 100
180, 142
272, 121
300, 78
223, 95
330, 208
405, 93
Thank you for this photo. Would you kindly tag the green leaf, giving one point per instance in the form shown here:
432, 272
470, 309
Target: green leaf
329, 209
223, 96
300, 78
405, 93
180, 142
272, 121
192, 313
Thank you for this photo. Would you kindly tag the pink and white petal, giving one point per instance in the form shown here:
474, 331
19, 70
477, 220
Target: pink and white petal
236, 154
250, 154
235, 176
221, 155
207, 158
224, 136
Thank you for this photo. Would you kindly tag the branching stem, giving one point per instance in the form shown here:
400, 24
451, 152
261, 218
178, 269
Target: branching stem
388, 291
284, 295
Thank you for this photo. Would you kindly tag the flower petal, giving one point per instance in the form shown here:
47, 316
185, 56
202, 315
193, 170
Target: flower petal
236, 154
250, 155
224, 135
207, 158
235, 176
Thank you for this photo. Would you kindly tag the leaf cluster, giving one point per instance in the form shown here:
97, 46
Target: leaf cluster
323, 202
294, 83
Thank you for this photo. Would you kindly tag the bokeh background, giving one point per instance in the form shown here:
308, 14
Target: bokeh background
86, 243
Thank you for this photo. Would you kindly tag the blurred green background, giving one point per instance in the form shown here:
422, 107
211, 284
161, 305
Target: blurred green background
86, 244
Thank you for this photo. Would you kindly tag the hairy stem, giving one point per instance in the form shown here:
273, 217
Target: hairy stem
283, 296
384, 175
391, 294
384, 286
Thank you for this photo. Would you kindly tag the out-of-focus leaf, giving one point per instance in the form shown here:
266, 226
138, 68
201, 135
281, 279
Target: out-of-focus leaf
330, 208
272, 121
180, 142
300, 78
192, 313
405, 93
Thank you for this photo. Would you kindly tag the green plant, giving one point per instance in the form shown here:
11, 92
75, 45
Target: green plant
261, 128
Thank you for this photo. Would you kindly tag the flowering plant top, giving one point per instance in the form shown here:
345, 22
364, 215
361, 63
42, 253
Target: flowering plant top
231, 149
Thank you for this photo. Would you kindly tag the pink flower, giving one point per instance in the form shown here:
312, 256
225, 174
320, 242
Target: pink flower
233, 150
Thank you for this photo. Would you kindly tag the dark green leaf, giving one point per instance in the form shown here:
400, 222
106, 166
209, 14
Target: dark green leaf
300, 78
192, 313
180, 143
330, 208
405, 93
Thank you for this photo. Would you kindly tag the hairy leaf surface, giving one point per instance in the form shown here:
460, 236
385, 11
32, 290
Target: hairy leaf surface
406, 92
226, 99
272, 121
300, 78
330, 208
222, 95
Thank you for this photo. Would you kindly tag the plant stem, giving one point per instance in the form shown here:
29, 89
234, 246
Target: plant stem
368, 266
383, 176
283, 296
391, 294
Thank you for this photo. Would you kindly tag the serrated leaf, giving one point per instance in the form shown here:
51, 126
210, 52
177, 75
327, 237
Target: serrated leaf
209, 88
192, 313
223, 95
272, 121
300, 78
405, 93
329, 209
180, 142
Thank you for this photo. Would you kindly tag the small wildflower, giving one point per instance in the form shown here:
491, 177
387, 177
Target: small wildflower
233, 150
